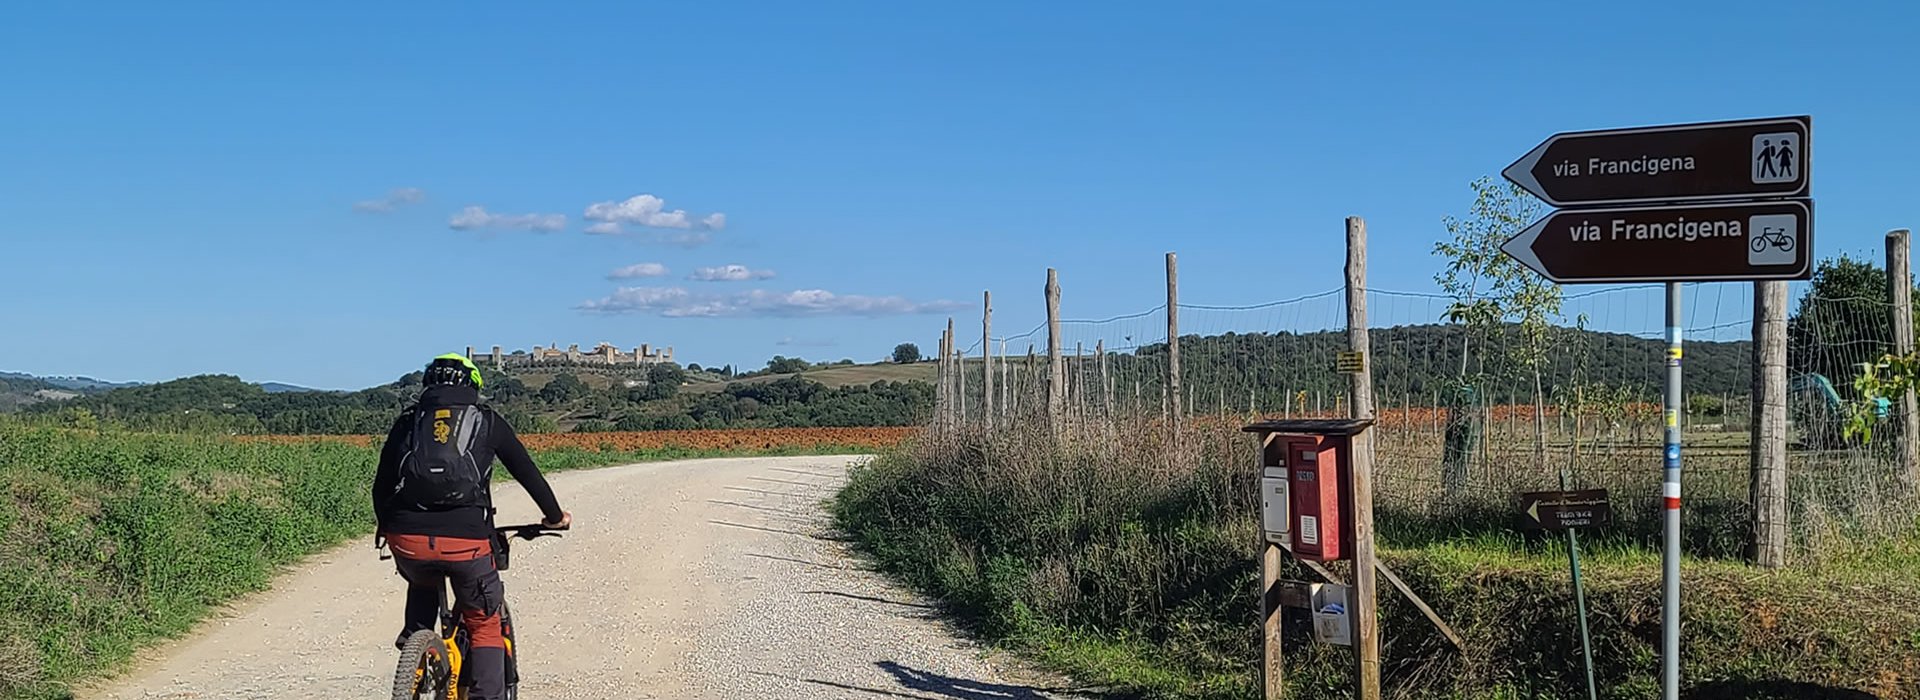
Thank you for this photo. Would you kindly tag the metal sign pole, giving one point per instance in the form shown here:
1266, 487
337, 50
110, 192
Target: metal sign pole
1670, 606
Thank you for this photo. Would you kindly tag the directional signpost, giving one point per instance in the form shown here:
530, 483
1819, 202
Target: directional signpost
1738, 241
1754, 159
1566, 510
1716, 201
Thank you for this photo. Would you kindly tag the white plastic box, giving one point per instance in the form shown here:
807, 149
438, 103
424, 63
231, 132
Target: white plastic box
1274, 505
1330, 620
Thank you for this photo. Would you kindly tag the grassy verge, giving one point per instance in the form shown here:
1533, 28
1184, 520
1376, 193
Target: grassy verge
109, 541
1129, 566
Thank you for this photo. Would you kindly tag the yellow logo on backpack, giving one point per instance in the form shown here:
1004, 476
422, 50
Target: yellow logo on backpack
440, 430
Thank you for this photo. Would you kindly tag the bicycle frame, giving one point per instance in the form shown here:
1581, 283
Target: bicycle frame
455, 639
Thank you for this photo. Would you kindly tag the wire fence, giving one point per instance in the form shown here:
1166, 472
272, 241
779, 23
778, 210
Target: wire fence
1468, 416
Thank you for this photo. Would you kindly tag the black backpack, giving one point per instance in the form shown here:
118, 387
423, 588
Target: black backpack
439, 471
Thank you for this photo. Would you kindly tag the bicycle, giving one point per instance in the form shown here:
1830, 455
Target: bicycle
430, 662
1772, 236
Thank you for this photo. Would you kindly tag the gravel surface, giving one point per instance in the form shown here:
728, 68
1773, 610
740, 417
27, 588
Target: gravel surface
708, 579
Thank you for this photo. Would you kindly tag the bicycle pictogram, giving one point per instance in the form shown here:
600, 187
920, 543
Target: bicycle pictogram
1775, 237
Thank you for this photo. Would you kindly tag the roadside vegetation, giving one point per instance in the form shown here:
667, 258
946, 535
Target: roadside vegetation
1110, 555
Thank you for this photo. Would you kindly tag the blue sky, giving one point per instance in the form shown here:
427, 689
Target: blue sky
178, 181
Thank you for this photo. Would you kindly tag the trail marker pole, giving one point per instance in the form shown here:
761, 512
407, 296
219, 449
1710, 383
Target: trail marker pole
1718, 201
1670, 489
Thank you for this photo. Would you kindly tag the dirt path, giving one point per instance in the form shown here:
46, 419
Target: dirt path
699, 579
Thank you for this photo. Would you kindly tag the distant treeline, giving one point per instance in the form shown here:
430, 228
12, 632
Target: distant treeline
226, 404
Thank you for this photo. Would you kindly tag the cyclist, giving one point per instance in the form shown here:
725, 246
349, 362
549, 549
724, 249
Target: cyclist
433, 503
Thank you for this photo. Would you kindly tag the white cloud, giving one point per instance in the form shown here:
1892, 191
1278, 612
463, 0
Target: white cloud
730, 273
395, 199
650, 211
677, 302
684, 239
479, 218
638, 270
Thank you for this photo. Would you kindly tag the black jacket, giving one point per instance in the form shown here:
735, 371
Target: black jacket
472, 522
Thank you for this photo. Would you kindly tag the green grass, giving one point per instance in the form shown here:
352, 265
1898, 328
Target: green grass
1112, 558
110, 541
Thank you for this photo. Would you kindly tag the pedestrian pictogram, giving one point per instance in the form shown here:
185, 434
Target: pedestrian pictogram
1776, 157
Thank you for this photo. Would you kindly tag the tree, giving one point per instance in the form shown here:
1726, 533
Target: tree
562, 388
663, 382
906, 354
786, 365
1490, 289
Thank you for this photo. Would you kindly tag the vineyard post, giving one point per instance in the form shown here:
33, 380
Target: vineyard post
1033, 374
1173, 345
960, 382
942, 398
1106, 382
1055, 376
1769, 425
1077, 386
1900, 280
986, 355
1007, 384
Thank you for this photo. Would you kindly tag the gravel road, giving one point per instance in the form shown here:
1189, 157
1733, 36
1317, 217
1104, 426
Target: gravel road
698, 579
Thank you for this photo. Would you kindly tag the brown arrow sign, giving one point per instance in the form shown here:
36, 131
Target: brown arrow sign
1681, 243
1751, 159
1561, 510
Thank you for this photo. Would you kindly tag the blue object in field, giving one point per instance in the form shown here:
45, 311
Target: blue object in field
1813, 380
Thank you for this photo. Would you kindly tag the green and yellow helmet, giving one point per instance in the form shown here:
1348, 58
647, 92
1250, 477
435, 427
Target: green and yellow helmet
452, 368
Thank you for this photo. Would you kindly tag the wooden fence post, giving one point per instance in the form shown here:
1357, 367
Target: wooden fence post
1366, 627
943, 405
1106, 382
1056, 377
986, 360
1007, 384
1173, 345
1900, 280
1033, 373
1769, 425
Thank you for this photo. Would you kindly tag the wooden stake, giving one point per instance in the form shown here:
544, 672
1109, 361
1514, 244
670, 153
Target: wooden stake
1033, 375
1173, 344
1768, 541
1106, 382
943, 393
1900, 282
1366, 624
986, 359
1056, 377
1271, 630
1007, 384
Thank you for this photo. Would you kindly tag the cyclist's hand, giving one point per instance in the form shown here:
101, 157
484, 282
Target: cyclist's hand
566, 520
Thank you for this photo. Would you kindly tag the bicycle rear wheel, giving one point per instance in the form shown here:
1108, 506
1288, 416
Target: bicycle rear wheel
422, 671
513, 665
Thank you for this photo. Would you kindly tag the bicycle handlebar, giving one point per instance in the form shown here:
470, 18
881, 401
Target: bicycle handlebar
526, 532
529, 532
